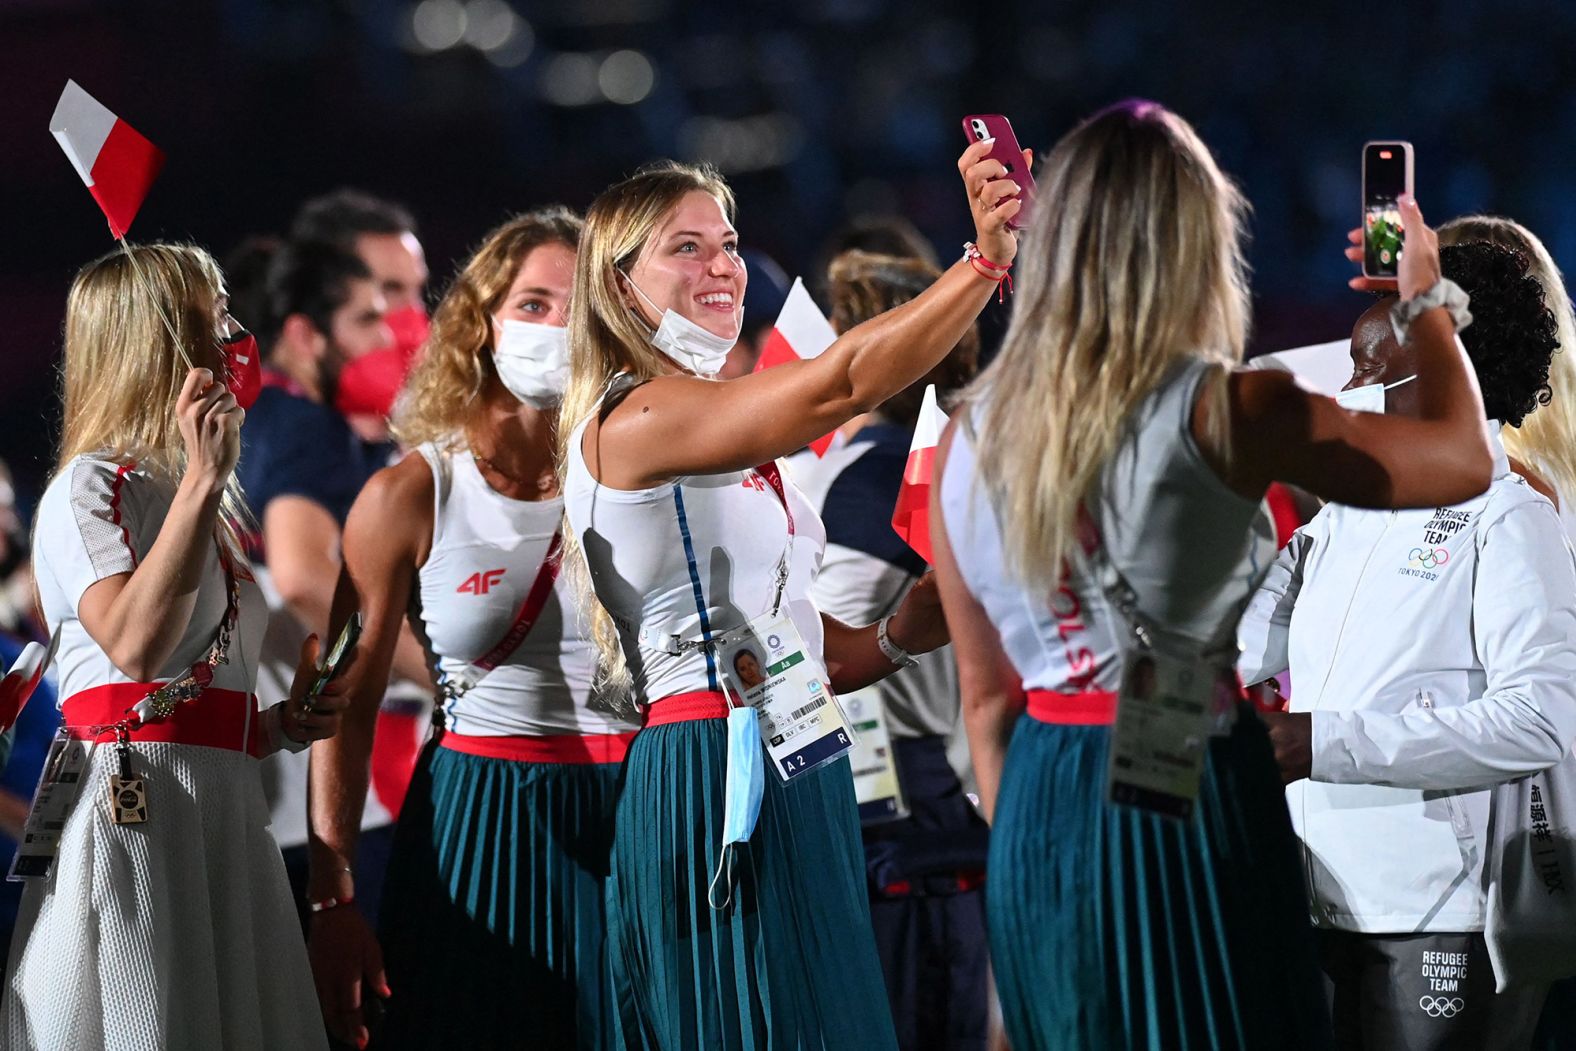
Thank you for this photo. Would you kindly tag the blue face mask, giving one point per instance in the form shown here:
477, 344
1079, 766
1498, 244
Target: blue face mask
743, 785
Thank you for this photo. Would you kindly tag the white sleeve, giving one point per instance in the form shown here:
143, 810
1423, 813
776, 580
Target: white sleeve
1523, 624
86, 527
1264, 633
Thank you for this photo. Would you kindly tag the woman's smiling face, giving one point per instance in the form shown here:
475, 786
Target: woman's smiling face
691, 266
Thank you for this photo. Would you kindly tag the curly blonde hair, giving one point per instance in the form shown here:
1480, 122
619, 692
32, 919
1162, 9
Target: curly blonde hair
456, 363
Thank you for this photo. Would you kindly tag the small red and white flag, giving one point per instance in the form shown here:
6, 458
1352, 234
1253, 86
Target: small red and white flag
115, 161
801, 333
911, 517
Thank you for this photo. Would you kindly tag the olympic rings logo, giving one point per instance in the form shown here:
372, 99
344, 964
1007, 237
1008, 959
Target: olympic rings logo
1441, 1007
1428, 557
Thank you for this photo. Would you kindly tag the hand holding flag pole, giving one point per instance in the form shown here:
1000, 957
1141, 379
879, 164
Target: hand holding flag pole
118, 165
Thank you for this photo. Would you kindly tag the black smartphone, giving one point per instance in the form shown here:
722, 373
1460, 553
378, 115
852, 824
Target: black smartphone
1387, 174
349, 635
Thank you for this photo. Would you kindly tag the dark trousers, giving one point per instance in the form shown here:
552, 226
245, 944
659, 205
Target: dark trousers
1422, 992
927, 903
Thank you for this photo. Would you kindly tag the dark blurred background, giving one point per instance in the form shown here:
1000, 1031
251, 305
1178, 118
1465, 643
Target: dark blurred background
468, 110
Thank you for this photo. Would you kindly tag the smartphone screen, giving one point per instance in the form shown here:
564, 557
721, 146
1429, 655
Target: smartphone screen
348, 636
1386, 176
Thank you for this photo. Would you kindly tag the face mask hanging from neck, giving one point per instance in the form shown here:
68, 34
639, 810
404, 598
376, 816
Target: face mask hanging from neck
1368, 398
686, 343
533, 361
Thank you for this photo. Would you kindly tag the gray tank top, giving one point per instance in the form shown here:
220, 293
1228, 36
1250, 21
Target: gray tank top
1191, 549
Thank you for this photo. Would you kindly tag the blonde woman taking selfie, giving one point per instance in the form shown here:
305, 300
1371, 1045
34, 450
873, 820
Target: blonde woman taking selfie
725, 931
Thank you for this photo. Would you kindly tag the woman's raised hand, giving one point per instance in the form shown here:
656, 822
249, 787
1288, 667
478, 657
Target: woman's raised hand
993, 200
1419, 263
210, 423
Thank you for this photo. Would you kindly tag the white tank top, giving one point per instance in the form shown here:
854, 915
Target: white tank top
693, 555
487, 550
1191, 548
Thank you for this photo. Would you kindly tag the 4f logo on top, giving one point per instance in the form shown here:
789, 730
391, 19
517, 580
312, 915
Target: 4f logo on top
480, 583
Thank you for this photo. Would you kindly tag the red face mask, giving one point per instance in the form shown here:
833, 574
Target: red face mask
369, 384
243, 369
410, 326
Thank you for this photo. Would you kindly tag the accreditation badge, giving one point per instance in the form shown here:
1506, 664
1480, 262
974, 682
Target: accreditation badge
769, 666
873, 759
1165, 716
58, 788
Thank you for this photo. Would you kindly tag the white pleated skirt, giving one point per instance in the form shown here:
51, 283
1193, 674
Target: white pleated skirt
173, 935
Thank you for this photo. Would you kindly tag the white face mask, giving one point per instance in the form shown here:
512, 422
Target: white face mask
1369, 398
533, 361
688, 344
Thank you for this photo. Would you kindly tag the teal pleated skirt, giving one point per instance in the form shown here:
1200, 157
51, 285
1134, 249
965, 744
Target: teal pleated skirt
1115, 929
790, 963
492, 925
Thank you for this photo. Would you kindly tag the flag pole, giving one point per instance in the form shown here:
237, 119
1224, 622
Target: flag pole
147, 286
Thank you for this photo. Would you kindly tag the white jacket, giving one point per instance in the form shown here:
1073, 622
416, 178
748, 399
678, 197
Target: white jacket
1436, 650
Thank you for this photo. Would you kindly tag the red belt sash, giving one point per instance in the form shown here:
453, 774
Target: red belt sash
1090, 708
218, 719
544, 748
687, 707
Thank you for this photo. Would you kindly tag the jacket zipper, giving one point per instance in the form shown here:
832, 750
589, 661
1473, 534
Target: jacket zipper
1307, 851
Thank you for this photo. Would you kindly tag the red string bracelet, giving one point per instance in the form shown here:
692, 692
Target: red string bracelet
990, 271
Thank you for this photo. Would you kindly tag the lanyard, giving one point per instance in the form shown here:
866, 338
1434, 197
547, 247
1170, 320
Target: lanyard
530, 609
524, 621
162, 701
774, 478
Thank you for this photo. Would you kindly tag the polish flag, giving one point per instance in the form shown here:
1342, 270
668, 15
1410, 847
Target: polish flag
115, 161
801, 333
23, 678
911, 516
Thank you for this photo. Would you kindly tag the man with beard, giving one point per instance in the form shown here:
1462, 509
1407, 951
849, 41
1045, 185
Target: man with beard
302, 467
382, 235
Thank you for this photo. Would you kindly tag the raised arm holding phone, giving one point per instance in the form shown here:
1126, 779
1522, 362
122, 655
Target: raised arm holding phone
1098, 530
695, 538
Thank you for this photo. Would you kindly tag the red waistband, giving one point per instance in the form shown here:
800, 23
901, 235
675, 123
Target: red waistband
687, 707
217, 719
1090, 708
547, 748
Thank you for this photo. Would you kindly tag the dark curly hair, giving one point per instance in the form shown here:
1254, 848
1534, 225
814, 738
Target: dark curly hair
1513, 336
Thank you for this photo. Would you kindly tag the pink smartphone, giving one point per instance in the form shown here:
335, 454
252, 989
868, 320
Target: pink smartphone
1387, 174
1009, 153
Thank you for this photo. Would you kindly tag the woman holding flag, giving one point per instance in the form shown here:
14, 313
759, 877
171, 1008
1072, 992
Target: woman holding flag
738, 915
164, 919
1098, 532
493, 912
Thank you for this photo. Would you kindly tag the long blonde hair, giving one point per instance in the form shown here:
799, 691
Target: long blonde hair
123, 370
605, 336
456, 363
1133, 263
1547, 438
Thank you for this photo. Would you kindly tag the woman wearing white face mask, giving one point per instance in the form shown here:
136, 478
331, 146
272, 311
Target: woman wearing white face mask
737, 911
493, 907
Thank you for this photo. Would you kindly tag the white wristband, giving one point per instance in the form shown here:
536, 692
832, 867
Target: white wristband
1445, 293
891, 650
